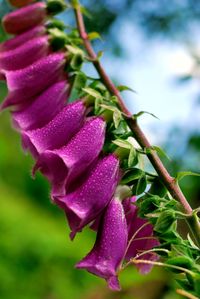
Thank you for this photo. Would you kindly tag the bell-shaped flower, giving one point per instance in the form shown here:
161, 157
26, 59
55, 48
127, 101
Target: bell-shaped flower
57, 132
22, 38
64, 165
25, 54
24, 18
40, 110
86, 200
105, 258
20, 3
30, 81
140, 237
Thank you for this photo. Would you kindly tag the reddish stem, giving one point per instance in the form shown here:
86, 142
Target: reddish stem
169, 182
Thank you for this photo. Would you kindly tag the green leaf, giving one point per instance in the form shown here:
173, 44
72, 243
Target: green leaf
182, 174
122, 143
132, 157
92, 92
140, 186
94, 35
76, 62
124, 87
160, 151
86, 12
158, 188
135, 116
148, 205
74, 50
99, 54
180, 261
80, 81
131, 175
165, 221
117, 117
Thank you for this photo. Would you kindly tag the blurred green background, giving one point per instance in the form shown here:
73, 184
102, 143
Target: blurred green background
36, 257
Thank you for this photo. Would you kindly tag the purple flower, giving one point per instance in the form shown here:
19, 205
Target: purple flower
87, 199
107, 254
57, 132
140, 236
39, 111
62, 166
25, 54
24, 18
30, 81
22, 38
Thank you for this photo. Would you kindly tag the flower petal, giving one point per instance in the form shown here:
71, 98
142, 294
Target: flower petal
140, 236
57, 132
25, 54
107, 254
88, 199
30, 81
24, 18
41, 110
74, 158
22, 38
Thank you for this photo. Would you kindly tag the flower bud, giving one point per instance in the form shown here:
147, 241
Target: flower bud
140, 236
20, 3
25, 54
28, 82
57, 132
87, 199
24, 18
22, 38
107, 254
64, 165
42, 109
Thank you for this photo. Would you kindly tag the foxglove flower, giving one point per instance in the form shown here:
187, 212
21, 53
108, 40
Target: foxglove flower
57, 132
22, 38
42, 109
25, 54
25, 18
62, 166
107, 254
141, 234
87, 200
20, 3
28, 82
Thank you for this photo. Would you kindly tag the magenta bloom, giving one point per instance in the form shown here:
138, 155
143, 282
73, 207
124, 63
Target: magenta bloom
87, 200
107, 254
24, 18
142, 234
25, 54
57, 132
22, 38
28, 82
41, 110
62, 166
